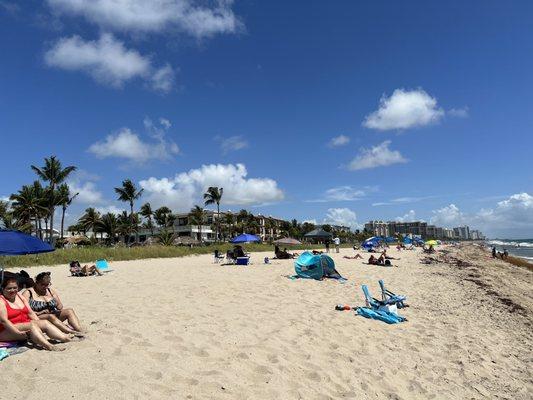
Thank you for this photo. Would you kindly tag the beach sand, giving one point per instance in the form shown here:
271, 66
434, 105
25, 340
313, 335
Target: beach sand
186, 328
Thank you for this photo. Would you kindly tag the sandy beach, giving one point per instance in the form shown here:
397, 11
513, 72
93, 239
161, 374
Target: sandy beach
186, 328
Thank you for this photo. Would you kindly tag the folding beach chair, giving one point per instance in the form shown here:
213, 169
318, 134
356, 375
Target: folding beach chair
391, 298
103, 266
218, 257
380, 310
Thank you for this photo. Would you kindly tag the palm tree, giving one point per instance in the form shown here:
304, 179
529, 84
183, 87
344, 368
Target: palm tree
127, 224
54, 174
197, 215
163, 217
91, 220
65, 200
109, 225
146, 212
129, 193
27, 205
213, 196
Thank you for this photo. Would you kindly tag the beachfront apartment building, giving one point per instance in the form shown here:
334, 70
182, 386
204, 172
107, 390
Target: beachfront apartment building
462, 232
377, 228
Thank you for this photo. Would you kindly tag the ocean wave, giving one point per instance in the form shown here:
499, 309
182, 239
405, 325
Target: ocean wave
511, 244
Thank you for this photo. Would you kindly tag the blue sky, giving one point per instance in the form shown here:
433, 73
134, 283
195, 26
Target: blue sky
339, 112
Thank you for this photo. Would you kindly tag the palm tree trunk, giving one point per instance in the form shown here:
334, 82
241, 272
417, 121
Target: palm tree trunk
63, 221
218, 221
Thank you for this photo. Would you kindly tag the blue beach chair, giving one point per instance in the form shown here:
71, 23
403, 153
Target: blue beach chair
388, 297
243, 261
378, 309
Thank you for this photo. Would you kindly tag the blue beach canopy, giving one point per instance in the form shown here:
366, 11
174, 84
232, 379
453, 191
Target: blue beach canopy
407, 240
15, 243
245, 238
390, 239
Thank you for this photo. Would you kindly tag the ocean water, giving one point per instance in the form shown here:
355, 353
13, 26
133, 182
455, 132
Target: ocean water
522, 248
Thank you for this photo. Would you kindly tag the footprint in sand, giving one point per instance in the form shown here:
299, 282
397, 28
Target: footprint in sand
273, 358
159, 356
157, 375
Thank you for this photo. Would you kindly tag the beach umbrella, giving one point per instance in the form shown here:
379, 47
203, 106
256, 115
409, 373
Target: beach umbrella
287, 242
15, 243
245, 238
432, 243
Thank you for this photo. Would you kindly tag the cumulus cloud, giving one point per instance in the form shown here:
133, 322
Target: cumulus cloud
110, 208
128, 145
341, 216
83, 183
448, 216
458, 112
108, 61
376, 156
408, 217
516, 211
185, 189
404, 109
232, 143
192, 17
343, 193
338, 141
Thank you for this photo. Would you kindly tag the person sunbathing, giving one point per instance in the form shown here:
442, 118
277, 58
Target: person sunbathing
354, 257
46, 304
77, 270
18, 322
376, 261
386, 257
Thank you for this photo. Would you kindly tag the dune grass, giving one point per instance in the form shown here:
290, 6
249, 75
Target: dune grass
91, 253
519, 262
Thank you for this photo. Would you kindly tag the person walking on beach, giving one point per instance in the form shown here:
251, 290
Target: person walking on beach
337, 242
493, 251
327, 245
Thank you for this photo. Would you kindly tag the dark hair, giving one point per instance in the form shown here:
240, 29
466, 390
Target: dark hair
40, 277
8, 279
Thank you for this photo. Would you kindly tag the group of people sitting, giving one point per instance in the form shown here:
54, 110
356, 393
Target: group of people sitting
35, 312
383, 259
237, 251
284, 254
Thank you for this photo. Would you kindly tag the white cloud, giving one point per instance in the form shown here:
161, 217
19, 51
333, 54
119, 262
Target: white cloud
338, 141
83, 183
108, 61
409, 217
343, 193
516, 211
110, 209
341, 216
186, 189
88, 193
377, 156
128, 145
458, 112
448, 216
404, 109
233, 143
190, 16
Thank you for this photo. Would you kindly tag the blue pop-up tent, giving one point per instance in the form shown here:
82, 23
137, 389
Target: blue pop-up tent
390, 239
407, 240
371, 242
245, 238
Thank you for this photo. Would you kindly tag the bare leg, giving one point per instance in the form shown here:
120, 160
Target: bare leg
36, 335
57, 323
52, 332
72, 319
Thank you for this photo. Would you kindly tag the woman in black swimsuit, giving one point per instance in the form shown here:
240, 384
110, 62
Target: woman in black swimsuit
46, 304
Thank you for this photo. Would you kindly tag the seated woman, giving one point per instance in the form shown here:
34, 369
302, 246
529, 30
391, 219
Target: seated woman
46, 304
238, 252
77, 270
18, 322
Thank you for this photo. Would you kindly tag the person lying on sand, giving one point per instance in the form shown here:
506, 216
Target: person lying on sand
46, 304
354, 257
384, 254
77, 270
376, 261
18, 322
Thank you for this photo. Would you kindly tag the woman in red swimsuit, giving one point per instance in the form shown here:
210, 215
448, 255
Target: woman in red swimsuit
19, 322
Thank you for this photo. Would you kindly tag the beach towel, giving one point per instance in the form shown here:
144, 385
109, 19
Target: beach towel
380, 315
11, 348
